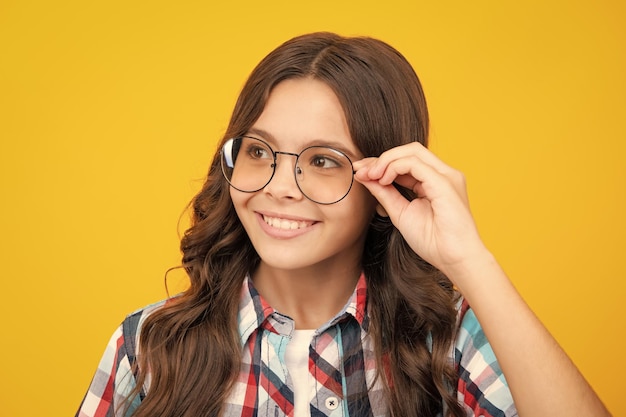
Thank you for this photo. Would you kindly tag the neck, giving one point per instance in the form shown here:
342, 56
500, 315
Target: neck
310, 296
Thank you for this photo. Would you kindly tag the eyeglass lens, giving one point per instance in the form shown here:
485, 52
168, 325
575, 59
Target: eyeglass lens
324, 175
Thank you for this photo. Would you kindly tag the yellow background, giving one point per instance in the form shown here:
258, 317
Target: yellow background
109, 112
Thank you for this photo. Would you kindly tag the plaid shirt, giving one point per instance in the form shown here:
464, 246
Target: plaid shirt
341, 361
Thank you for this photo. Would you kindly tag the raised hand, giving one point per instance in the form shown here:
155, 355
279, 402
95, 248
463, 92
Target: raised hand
438, 224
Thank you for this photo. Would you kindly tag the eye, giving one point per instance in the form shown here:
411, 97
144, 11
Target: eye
324, 161
256, 151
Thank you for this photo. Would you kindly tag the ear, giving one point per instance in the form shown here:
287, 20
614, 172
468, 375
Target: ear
381, 211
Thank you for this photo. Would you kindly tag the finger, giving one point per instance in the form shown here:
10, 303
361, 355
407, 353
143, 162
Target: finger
411, 171
365, 162
389, 198
407, 173
413, 149
362, 174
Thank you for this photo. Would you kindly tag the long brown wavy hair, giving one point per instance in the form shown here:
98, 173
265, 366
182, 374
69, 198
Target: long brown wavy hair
190, 349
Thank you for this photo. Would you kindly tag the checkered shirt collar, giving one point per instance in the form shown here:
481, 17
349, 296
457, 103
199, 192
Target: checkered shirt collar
255, 312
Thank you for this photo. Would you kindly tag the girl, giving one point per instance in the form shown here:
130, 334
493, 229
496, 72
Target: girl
332, 262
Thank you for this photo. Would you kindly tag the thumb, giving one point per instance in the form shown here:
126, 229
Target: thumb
390, 201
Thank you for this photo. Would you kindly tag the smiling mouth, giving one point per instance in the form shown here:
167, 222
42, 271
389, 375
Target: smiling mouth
285, 224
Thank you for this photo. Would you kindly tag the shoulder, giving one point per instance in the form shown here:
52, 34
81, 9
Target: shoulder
131, 326
471, 343
114, 380
482, 386
138, 316
469, 328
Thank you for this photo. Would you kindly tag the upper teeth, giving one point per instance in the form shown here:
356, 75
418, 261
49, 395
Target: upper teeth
284, 223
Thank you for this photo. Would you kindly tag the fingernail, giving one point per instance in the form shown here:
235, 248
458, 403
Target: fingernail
360, 173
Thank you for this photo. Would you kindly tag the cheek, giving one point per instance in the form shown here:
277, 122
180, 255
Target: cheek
239, 201
363, 198
237, 197
359, 207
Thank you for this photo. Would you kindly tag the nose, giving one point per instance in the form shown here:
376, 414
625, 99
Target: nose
283, 184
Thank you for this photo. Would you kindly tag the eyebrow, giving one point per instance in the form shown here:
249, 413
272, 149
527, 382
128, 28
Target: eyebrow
315, 142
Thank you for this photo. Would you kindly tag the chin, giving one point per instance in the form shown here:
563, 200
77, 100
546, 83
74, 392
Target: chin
283, 262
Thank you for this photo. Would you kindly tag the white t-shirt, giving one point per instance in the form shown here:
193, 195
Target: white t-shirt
297, 361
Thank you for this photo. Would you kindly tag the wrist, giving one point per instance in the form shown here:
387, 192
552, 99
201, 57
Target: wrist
475, 272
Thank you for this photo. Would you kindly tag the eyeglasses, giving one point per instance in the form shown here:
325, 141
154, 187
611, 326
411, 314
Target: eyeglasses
324, 175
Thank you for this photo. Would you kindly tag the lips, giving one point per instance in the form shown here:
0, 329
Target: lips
286, 224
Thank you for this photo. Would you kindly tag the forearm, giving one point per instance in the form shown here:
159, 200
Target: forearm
542, 378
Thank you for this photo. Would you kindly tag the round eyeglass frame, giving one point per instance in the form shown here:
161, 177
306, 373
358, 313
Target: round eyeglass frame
295, 169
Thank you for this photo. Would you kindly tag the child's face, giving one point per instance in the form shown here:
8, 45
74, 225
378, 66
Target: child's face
288, 230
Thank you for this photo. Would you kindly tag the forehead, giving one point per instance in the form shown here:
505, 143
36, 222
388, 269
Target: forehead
304, 112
